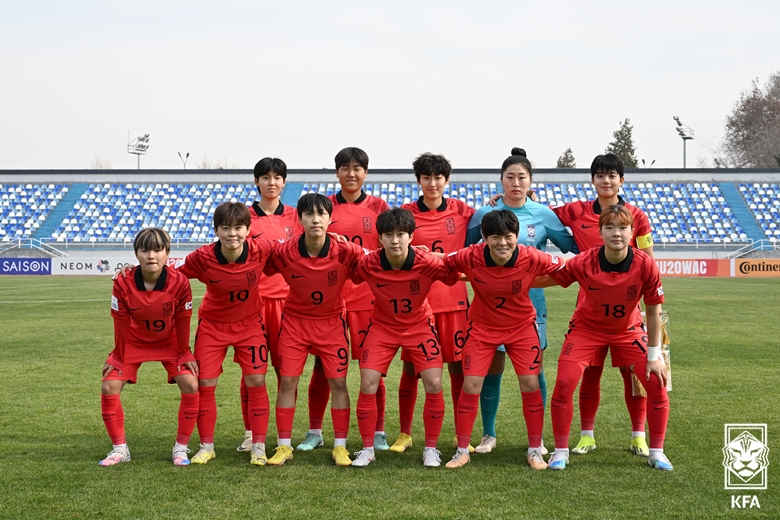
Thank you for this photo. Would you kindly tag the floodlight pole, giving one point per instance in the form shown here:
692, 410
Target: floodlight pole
138, 146
686, 133
184, 159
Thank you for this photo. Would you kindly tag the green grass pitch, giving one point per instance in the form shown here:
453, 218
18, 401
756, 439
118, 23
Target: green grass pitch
55, 333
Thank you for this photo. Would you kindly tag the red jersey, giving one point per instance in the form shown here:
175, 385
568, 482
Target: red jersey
357, 220
400, 295
152, 314
282, 224
443, 230
583, 220
610, 293
501, 292
315, 282
232, 290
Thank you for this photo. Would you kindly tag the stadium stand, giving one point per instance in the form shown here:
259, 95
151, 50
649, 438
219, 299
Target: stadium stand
680, 212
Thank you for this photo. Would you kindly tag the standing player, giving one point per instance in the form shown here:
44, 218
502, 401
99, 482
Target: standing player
606, 174
537, 224
441, 227
613, 278
501, 272
271, 220
151, 309
400, 277
354, 216
315, 267
231, 314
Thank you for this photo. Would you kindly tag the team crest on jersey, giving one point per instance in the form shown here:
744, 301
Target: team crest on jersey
531, 231
333, 277
517, 286
251, 278
414, 286
450, 223
364, 357
467, 361
288, 233
567, 349
367, 224
631, 292
167, 309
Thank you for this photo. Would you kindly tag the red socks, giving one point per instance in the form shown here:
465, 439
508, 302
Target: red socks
381, 405
561, 405
284, 422
245, 404
319, 394
658, 406
636, 404
433, 417
258, 412
407, 398
533, 411
465, 415
207, 414
188, 416
113, 418
340, 418
366, 415
590, 395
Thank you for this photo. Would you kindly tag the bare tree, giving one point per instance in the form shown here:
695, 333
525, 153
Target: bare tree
100, 164
753, 129
218, 164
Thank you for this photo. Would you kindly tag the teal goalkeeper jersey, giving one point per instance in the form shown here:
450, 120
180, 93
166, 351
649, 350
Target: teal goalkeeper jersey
537, 224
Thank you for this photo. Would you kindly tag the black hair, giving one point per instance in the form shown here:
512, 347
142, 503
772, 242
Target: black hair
605, 164
314, 202
152, 239
518, 157
232, 214
395, 219
350, 155
270, 164
430, 164
500, 222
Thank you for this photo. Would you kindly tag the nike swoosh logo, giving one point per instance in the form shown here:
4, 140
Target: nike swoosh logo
255, 236
594, 288
257, 366
382, 284
478, 280
660, 407
430, 359
131, 309
586, 227
341, 369
296, 276
214, 281
535, 411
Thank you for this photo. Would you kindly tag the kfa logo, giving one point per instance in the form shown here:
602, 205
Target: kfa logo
167, 308
531, 231
367, 224
333, 278
251, 278
631, 292
745, 456
288, 233
450, 223
517, 286
414, 286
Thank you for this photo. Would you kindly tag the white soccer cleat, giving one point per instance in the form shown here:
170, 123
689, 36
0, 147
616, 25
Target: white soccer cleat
247, 444
487, 445
117, 455
431, 458
660, 461
363, 457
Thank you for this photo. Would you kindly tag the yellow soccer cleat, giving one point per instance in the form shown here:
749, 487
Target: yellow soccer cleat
282, 455
404, 441
586, 444
341, 456
639, 447
205, 454
258, 457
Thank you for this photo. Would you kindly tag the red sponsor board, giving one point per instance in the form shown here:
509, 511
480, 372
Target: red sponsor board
693, 267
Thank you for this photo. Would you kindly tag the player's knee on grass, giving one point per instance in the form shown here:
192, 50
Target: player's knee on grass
473, 384
528, 383
188, 384
369, 380
112, 387
431, 379
254, 379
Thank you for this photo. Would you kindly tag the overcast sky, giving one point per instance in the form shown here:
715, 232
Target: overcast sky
236, 81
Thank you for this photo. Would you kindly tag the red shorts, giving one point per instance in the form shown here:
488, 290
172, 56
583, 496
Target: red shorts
589, 347
247, 337
418, 341
521, 343
130, 372
272, 317
451, 331
326, 338
358, 324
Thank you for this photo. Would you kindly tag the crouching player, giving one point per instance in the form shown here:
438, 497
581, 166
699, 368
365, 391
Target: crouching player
231, 314
151, 309
613, 278
501, 273
400, 278
315, 266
